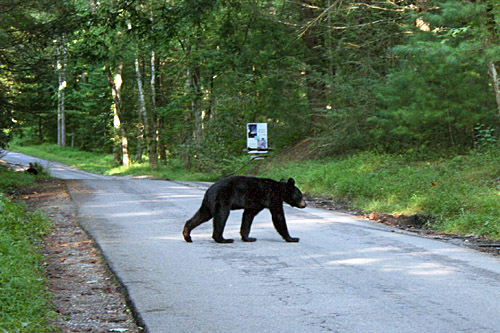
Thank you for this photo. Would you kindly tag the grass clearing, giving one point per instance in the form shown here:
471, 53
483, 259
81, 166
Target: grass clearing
24, 298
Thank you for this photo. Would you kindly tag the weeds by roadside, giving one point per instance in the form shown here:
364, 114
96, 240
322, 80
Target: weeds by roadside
92, 162
24, 299
461, 194
103, 164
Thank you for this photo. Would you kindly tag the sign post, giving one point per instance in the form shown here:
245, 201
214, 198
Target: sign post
257, 139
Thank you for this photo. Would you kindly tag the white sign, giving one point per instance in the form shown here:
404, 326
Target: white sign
257, 137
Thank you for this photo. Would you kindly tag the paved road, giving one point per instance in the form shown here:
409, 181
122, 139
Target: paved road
345, 275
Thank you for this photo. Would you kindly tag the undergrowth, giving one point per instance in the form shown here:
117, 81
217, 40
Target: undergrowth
24, 298
459, 195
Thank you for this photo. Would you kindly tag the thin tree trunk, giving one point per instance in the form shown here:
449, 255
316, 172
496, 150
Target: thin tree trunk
140, 134
490, 40
315, 88
153, 152
162, 145
143, 116
154, 143
188, 115
120, 138
196, 103
494, 80
93, 6
61, 121
193, 85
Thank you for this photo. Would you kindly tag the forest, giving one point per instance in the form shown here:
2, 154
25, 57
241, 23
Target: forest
161, 79
386, 108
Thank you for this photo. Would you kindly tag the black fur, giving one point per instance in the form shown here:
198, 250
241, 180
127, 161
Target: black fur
248, 193
32, 170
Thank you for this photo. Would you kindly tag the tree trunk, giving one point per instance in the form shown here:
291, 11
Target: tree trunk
93, 6
193, 86
154, 143
61, 121
314, 41
140, 134
162, 145
491, 40
143, 116
494, 80
120, 138
196, 103
153, 146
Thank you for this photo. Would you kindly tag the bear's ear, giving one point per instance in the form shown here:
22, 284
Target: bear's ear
283, 180
291, 182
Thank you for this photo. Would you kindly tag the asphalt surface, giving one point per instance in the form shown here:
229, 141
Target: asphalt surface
345, 275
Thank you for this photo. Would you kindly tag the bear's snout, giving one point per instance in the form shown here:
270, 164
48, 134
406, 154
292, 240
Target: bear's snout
302, 204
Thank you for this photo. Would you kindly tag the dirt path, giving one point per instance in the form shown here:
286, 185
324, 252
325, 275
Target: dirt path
85, 293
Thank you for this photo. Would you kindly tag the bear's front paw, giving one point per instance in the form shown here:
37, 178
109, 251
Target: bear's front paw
223, 240
292, 240
248, 239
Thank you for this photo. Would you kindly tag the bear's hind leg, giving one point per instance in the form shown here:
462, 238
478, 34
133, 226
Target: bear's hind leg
220, 218
202, 215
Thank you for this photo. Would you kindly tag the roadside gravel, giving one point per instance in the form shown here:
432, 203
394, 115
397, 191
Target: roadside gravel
85, 293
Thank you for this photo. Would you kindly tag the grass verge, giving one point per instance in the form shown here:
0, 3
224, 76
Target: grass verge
24, 299
103, 163
460, 195
92, 162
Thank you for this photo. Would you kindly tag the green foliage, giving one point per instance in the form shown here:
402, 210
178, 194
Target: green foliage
395, 76
460, 194
24, 298
421, 103
427, 108
485, 137
88, 111
440, 91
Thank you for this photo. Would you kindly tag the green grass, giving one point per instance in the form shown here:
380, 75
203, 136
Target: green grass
24, 299
174, 171
460, 194
9, 180
103, 163
92, 162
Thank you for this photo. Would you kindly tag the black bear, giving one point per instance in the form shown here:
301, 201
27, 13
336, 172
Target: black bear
32, 169
248, 193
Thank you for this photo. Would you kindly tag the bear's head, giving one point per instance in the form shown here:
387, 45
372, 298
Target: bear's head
291, 194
